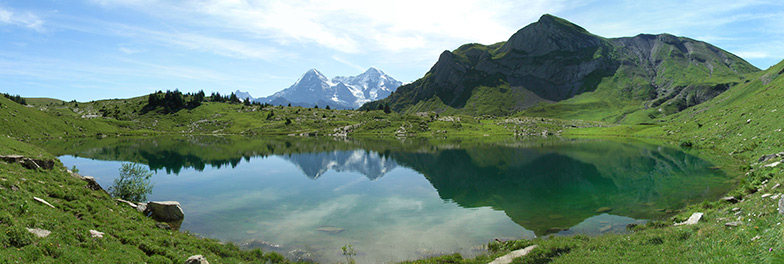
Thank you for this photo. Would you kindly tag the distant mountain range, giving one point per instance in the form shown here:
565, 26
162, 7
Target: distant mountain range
314, 89
554, 68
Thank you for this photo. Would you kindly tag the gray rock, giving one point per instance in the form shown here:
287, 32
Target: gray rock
766, 195
730, 199
167, 211
43, 202
132, 205
141, 207
767, 157
693, 219
781, 205
96, 233
197, 259
39, 232
506, 259
733, 224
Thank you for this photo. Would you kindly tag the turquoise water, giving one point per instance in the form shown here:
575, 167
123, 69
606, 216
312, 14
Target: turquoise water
399, 200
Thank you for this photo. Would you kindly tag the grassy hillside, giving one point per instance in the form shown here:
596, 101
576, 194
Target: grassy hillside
129, 237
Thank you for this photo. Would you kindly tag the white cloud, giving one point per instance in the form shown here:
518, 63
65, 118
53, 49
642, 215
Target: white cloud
24, 19
127, 50
753, 54
351, 26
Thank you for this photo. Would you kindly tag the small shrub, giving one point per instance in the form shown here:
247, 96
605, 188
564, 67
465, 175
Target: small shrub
686, 144
133, 183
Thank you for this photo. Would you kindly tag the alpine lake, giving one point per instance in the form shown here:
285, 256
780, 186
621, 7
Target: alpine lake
401, 199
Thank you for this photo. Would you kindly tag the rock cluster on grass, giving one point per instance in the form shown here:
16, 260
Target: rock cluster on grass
28, 162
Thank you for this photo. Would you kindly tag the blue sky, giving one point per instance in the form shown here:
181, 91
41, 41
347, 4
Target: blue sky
101, 49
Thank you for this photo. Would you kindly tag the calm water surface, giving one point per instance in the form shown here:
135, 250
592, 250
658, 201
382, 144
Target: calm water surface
400, 199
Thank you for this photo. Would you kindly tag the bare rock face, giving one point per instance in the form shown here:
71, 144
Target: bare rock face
197, 259
167, 211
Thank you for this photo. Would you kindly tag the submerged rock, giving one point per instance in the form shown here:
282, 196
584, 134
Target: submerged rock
330, 229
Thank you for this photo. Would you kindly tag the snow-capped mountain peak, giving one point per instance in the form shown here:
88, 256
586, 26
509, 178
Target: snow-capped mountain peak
340, 92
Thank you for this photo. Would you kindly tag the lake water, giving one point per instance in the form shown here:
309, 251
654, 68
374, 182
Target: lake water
395, 200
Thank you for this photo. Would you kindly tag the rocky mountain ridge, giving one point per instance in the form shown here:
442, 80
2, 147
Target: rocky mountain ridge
554, 60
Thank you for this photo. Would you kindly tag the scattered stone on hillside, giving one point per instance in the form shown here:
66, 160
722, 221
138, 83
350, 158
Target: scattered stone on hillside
781, 205
733, 224
748, 121
196, 259
506, 259
730, 199
755, 238
603, 210
39, 232
775, 186
133, 205
773, 164
43, 202
166, 211
735, 209
14, 188
766, 195
767, 157
96, 233
141, 207
693, 219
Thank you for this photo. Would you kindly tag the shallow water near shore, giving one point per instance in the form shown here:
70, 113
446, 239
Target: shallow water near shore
395, 200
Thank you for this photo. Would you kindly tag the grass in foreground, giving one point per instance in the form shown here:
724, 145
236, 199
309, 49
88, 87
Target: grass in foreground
129, 237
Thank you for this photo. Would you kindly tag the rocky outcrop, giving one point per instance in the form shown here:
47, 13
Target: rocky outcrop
92, 184
28, 162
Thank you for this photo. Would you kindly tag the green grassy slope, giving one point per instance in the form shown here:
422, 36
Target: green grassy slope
129, 236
